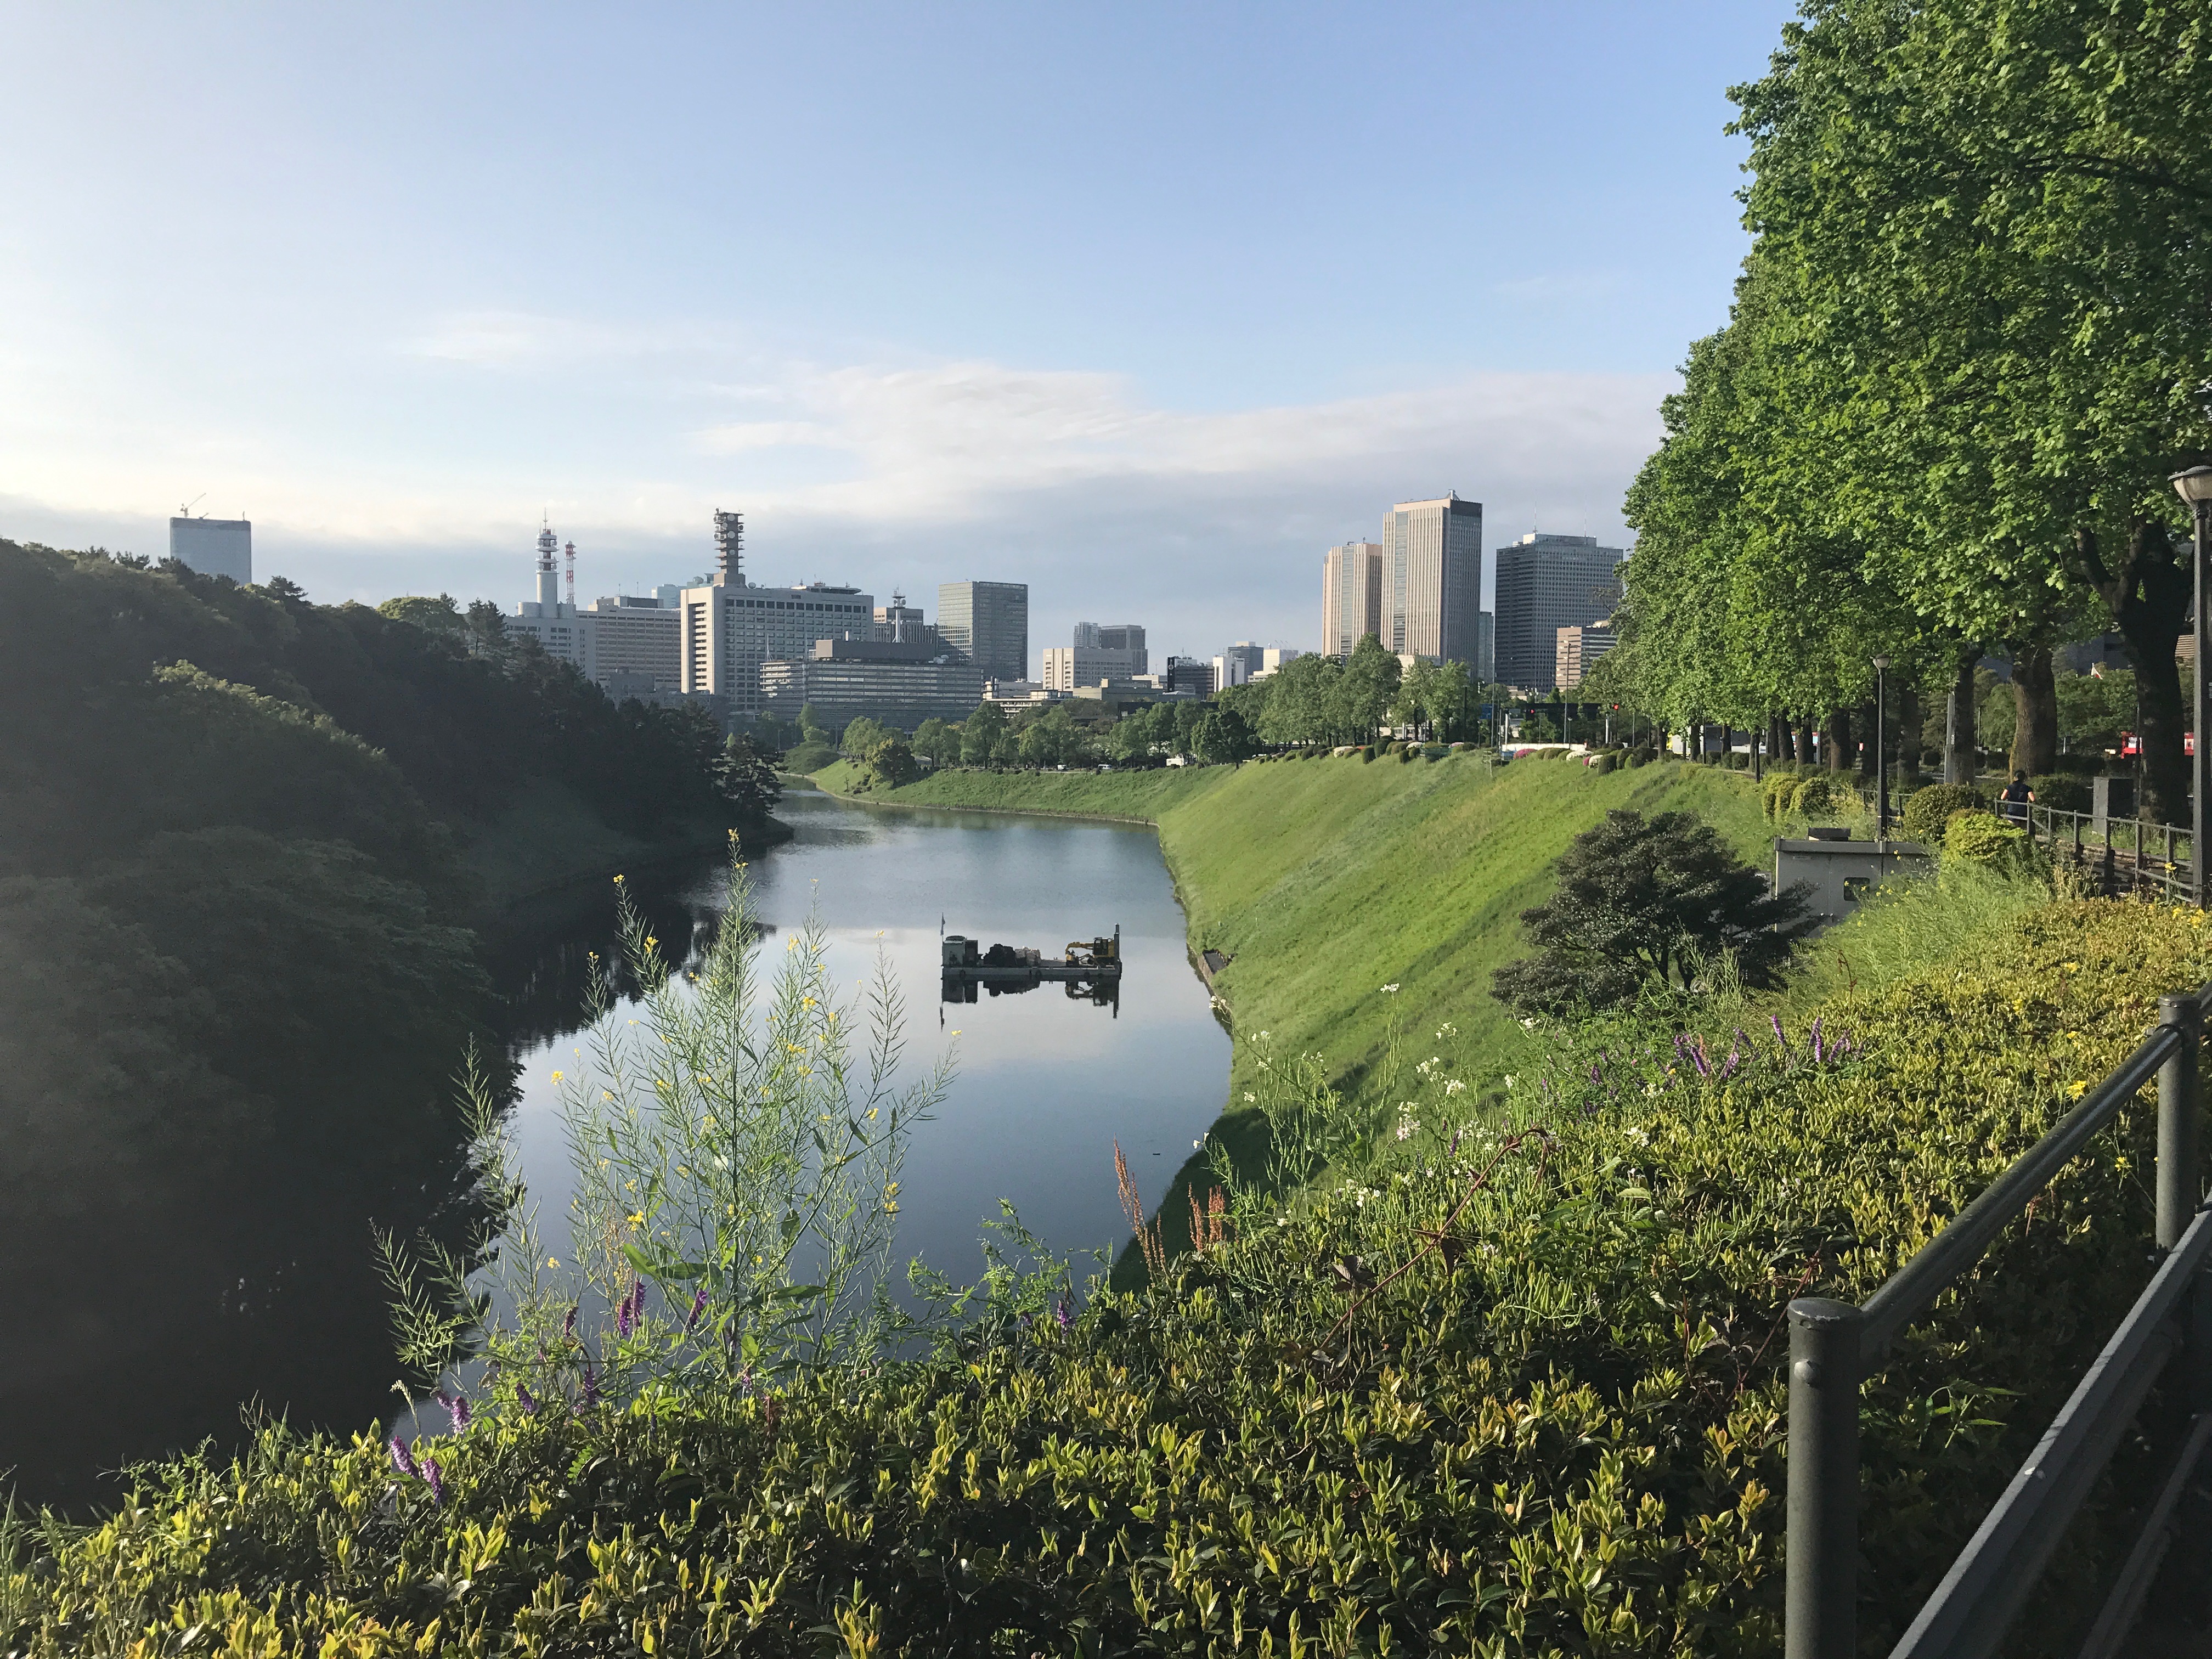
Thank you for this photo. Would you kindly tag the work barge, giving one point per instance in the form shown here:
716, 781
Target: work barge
1092, 968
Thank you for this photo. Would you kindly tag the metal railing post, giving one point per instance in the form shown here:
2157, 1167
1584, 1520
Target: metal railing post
2179, 1182
1821, 1614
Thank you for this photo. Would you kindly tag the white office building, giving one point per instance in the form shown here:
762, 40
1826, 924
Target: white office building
214, 547
731, 629
622, 644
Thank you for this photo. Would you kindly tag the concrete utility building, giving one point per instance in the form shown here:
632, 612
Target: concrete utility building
900, 683
1350, 595
987, 622
1432, 601
1545, 583
731, 631
214, 547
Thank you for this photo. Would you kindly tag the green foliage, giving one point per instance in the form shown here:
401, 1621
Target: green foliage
1822, 794
980, 735
736, 1148
1979, 838
811, 729
891, 764
862, 737
938, 742
1929, 810
1559, 1314
2064, 791
809, 757
440, 616
1643, 901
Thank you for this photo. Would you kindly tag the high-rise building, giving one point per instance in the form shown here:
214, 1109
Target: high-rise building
898, 621
1189, 677
620, 644
988, 622
1350, 595
1125, 637
1579, 649
1432, 580
1237, 664
728, 629
1545, 583
634, 636
1485, 648
214, 547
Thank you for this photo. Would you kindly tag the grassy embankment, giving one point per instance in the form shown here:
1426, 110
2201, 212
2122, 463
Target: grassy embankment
1327, 880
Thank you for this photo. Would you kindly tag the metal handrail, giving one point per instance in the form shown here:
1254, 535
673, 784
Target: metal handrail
1834, 1346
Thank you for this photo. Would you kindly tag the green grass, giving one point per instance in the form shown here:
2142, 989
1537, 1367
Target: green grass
1326, 880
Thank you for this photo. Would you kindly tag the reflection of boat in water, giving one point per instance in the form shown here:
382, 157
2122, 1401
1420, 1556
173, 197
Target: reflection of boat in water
1092, 968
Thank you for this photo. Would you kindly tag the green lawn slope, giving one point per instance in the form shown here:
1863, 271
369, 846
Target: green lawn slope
1326, 880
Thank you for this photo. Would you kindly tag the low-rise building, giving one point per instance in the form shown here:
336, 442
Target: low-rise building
898, 683
1021, 692
1189, 677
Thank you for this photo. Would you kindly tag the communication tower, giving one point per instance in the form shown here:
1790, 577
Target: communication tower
729, 548
571, 576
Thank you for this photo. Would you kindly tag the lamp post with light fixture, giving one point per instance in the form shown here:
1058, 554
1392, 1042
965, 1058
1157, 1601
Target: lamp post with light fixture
1881, 760
2194, 487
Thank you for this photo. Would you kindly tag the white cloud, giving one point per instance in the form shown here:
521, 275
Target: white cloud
1209, 523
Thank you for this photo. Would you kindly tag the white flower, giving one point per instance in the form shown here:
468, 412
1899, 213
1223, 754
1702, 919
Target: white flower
1248, 1095
1263, 1037
1528, 1025
1453, 1086
1389, 990
1509, 1081
1200, 1142
1446, 1030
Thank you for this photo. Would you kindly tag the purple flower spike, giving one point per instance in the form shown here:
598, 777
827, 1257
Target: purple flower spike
437, 1483
402, 1459
1697, 1052
1781, 1040
1060, 1314
1453, 1149
457, 1406
569, 1325
522, 1399
698, 1307
591, 1386
1816, 1040
1596, 1077
1727, 1067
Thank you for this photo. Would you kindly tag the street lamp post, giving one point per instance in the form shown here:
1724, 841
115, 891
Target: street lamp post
2194, 487
1880, 762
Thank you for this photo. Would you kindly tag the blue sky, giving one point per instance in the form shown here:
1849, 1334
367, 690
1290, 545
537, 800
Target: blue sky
1145, 305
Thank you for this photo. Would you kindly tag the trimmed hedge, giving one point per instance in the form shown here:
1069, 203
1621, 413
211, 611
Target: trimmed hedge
1928, 811
1510, 1396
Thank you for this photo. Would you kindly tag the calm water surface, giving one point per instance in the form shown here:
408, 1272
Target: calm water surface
1047, 1084
261, 1283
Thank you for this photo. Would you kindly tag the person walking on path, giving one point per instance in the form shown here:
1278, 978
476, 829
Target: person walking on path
2013, 804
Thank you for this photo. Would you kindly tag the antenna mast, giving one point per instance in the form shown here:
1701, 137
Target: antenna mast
571, 576
730, 549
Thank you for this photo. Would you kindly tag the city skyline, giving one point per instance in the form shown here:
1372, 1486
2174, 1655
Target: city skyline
301, 274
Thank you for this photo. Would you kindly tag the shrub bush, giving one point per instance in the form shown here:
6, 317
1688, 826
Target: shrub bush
1824, 794
1429, 1400
1602, 764
1640, 757
810, 758
1980, 838
1928, 811
2068, 792
1366, 752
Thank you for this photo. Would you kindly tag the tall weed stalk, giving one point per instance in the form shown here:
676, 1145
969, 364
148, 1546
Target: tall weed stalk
736, 1147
